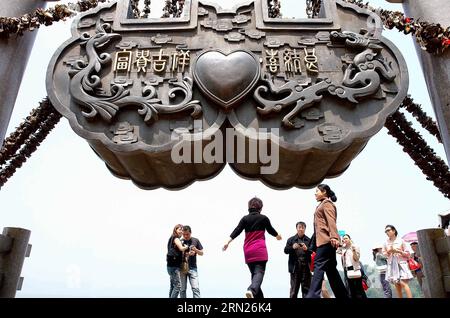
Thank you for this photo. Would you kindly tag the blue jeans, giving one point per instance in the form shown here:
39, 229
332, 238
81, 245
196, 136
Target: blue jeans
386, 287
175, 281
193, 280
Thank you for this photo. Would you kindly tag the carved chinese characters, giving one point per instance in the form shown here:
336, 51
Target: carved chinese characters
159, 62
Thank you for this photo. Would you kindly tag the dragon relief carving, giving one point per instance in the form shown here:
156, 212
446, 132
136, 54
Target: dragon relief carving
362, 77
86, 88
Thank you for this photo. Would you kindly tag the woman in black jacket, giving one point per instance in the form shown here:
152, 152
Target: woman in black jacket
174, 258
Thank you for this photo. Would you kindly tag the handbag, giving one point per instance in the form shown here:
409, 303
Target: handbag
365, 284
413, 264
184, 269
352, 274
311, 265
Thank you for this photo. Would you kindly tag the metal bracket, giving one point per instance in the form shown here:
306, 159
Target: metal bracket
28, 251
20, 283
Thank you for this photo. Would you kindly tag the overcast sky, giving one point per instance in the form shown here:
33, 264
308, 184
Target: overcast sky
95, 235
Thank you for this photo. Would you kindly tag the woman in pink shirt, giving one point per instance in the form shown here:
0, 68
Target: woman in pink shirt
255, 225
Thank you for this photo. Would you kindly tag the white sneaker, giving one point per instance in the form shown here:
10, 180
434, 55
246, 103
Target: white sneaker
249, 294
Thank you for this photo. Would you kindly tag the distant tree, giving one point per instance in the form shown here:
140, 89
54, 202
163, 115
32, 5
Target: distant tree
376, 290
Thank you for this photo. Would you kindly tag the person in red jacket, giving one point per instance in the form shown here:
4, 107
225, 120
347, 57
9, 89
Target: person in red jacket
255, 225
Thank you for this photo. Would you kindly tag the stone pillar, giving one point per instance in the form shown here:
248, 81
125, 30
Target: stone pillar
433, 280
13, 251
436, 69
14, 53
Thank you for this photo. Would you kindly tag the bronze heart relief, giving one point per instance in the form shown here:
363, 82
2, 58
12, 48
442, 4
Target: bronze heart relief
226, 78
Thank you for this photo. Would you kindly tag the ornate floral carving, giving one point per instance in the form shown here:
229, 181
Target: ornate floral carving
234, 37
330, 133
253, 34
241, 19
202, 12
312, 114
125, 134
220, 25
362, 77
273, 43
91, 96
161, 39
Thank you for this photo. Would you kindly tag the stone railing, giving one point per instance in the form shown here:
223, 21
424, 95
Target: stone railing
14, 248
434, 247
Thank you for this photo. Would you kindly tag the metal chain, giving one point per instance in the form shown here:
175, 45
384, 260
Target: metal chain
433, 167
137, 13
23, 132
427, 122
274, 8
431, 37
134, 4
30, 143
313, 8
146, 11
309, 9
180, 8
32, 21
173, 8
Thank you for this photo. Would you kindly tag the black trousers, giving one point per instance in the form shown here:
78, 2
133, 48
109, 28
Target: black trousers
325, 262
355, 288
257, 269
301, 276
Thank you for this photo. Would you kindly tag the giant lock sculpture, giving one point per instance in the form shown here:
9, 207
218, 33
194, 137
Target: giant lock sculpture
136, 89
